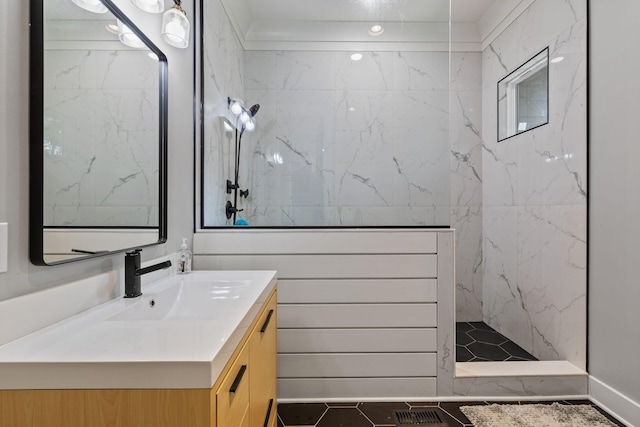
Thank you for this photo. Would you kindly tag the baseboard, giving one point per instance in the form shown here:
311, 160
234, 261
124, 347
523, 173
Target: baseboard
617, 404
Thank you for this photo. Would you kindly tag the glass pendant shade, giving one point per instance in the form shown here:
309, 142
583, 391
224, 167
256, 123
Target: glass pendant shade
128, 37
151, 6
250, 125
235, 106
175, 27
245, 117
94, 6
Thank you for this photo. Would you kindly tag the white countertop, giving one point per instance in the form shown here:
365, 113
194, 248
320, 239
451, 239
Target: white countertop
117, 345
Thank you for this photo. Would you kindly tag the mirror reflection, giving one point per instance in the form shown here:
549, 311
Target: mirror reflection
523, 97
102, 133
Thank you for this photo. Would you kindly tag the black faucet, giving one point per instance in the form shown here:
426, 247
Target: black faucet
132, 273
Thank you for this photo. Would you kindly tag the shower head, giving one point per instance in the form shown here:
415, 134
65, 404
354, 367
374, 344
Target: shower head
254, 110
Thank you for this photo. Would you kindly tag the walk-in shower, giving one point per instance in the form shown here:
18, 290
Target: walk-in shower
399, 129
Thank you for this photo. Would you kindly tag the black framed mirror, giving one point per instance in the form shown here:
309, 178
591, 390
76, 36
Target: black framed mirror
98, 133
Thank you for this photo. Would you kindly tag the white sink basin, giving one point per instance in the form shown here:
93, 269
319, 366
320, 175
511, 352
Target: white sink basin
187, 300
179, 334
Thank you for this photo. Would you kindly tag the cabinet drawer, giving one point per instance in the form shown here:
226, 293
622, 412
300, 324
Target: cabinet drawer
232, 397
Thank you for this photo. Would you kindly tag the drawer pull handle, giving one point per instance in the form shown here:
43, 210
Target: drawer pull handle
266, 322
266, 420
236, 382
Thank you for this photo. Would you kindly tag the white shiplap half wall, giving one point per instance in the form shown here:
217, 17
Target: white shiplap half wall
357, 308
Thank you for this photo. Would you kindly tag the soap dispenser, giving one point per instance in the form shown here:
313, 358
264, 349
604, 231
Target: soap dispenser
184, 258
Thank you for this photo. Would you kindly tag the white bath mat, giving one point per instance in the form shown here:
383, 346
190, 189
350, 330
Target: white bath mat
554, 415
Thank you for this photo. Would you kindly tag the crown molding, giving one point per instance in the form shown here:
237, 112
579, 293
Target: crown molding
408, 36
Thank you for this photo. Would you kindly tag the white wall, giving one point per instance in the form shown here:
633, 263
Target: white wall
614, 211
23, 277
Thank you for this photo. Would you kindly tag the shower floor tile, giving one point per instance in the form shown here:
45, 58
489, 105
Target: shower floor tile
479, 342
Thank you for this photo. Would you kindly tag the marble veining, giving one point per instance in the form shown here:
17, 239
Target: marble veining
466, 172
100, 138
534, 192
402, 139
347, 143
363, 142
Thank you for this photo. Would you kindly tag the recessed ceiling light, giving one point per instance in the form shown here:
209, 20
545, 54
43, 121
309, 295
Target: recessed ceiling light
376, 30
557, 59
356, 57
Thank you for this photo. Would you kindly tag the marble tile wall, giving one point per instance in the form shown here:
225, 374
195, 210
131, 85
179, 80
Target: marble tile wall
223, 74
466, 181
340, 142
534, 191
366, 143
101, 114
346, 143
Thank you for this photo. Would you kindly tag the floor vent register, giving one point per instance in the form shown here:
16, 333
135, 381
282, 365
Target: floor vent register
419, 417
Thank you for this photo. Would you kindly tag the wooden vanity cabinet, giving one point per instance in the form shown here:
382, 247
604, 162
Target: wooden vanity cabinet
263, 362
247, 396
243, 396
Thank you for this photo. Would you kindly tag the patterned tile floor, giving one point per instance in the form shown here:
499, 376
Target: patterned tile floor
478, 342
378, 414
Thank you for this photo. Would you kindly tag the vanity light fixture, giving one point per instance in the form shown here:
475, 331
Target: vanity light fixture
235, 105
250, 125
175, 26
376, 30
128, 37
244, 116
356, 57
112, 28
94, 6
151, 6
